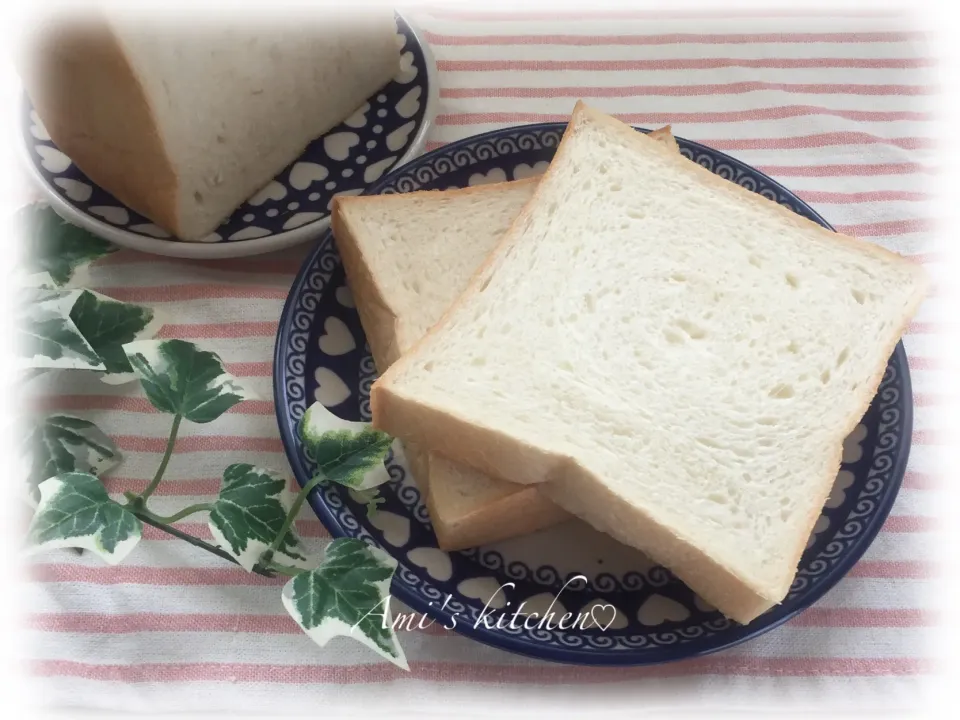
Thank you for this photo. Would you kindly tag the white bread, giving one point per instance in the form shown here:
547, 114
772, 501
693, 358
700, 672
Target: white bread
407, 258
667, 355
184, 122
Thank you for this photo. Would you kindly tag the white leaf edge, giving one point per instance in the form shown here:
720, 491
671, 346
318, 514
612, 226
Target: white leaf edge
317, 420
150, 349
149, 330
49, 489
334, 627
255, 548
96, 468
62, 306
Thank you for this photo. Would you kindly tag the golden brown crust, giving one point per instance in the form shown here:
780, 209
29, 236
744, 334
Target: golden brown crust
94, 108
494, 452
523, 508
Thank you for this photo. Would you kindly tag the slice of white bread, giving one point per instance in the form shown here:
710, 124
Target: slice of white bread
184, 121
667, 355
407, 258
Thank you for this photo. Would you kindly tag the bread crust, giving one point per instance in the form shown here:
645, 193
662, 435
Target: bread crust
523, 510
573, 486
94, 107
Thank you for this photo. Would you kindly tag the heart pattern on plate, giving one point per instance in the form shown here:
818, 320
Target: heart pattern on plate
337, 338
654, 616
331, 389
385, 129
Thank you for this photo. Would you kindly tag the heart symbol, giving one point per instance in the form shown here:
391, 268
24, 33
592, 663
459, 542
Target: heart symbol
74, 189
408, 71
331, 390
523, 170
249, 233
852, 451
658, 609
359, 118
823, 522
113, 215
301, 218
344, 297
496, 175
151, 230
398, 138
273, 191
337, 146
302, 174
52, 159
435, 562
603, 615
38, 130
485, 589
395, 528
840, 485
409, 103
374, 171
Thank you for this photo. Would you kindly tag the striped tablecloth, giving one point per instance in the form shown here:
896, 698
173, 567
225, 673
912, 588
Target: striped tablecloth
840, 109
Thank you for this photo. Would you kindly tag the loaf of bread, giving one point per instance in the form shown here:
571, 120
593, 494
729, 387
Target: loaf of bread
407, 258
666, 355
183, 123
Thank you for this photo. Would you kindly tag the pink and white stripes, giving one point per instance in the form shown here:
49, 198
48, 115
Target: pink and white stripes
841, 109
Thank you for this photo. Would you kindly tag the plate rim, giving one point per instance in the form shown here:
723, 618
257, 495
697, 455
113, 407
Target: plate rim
238, 248
591, 656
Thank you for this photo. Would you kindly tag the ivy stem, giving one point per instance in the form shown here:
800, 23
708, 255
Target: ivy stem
189, 510
292, 515
149, 519
171, 441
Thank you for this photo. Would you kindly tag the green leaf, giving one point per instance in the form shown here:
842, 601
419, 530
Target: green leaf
55, 246
181, 379
249, 513
348, 453
347, 595
107, 325
371, 499
63, 443
46, 336
75, 511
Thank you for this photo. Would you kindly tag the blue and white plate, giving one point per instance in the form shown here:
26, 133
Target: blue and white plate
388, 130
651, 617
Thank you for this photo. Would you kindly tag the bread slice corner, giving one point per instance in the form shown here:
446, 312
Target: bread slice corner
688, 389
407, 257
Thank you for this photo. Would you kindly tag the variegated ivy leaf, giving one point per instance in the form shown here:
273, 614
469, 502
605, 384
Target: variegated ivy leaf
348, 453
347, 595
47, 337
181, 379
63, 443
55, 246
75, 511
250, 512
107, 325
